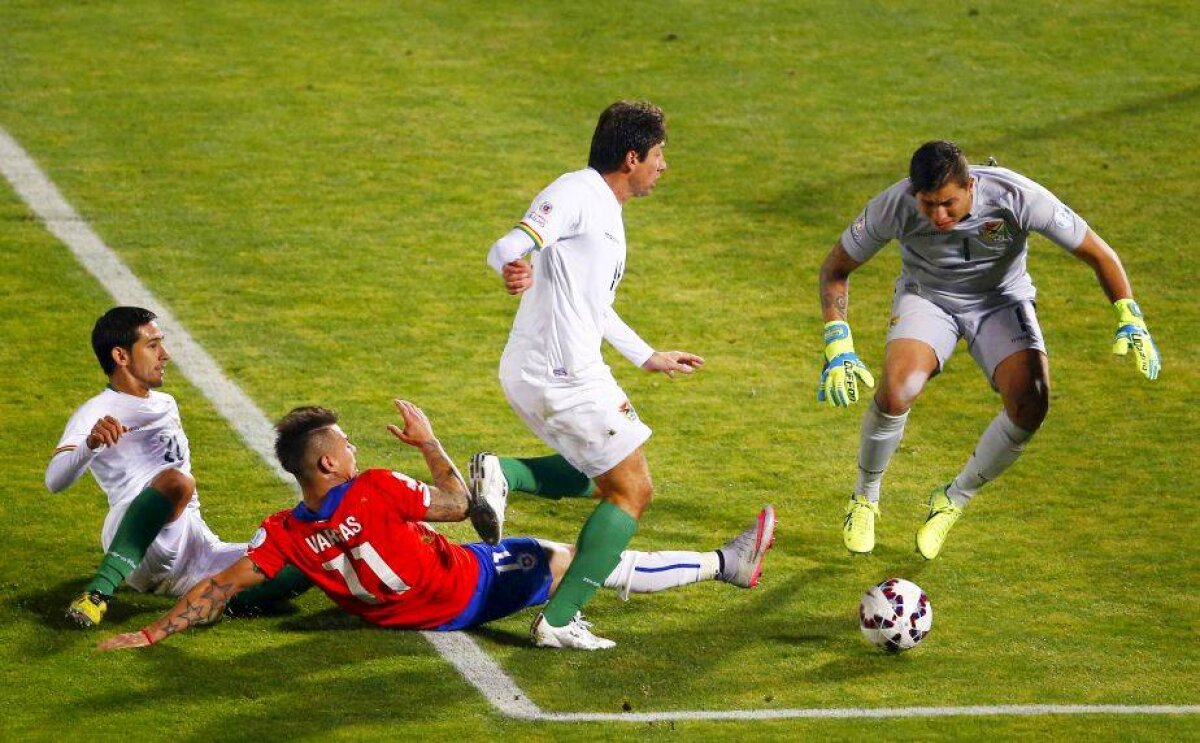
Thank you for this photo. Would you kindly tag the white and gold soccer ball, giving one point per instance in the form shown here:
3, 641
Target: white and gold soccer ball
895, 615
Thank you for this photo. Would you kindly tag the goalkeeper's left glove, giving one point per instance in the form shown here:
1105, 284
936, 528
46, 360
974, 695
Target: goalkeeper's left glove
1131, 331
843, 369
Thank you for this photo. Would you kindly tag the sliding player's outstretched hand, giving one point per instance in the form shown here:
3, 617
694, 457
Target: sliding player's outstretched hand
669, 362
417, 431
1132, 332
843, 369
125, 641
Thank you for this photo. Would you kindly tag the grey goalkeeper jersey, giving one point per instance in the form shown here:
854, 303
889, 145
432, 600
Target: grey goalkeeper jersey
981, 262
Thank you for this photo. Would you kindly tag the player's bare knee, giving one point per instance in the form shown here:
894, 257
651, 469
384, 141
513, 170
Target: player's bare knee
645, 495
896, 399
1028, 405
175, 485
1032, 407
633, 500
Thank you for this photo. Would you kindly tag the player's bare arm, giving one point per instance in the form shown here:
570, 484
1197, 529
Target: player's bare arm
1104, 261
204, 604
835, 283
448, 495
1132, 332
670, 362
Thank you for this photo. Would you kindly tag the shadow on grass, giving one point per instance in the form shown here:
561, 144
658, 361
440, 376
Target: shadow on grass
48, 605
503, 637
306, 687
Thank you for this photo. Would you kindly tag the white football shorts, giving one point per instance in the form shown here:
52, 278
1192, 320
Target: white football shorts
185, 552
992, 334
589, 421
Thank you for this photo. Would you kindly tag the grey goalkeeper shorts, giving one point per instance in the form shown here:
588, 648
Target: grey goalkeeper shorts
992, 334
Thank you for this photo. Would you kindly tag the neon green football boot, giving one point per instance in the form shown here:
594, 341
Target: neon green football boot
943, 512
858, 528
88, 610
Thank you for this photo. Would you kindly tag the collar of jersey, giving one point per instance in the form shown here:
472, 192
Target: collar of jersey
333, 499
602, 185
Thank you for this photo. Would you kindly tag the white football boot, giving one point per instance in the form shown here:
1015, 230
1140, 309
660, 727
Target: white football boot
577, 635
489, 497
743, 555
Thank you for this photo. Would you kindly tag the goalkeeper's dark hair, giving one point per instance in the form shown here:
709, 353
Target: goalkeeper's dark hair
625, 126
295, 434
117, 328
935, 164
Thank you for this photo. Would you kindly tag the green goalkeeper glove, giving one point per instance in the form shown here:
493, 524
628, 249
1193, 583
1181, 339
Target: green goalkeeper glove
843, 368
1131, 331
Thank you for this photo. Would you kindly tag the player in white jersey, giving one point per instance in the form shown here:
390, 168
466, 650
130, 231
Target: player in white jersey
962, 232
131, 438
552, 371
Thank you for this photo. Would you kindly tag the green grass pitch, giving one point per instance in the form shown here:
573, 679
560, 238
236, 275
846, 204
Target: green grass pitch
311, 188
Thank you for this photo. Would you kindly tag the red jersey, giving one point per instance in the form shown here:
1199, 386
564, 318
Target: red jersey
367, 550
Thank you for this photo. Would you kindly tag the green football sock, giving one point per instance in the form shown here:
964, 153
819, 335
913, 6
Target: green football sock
143, 520
288, 584
549, 477
597, 552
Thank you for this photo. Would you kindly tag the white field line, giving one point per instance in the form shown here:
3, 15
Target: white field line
476, 666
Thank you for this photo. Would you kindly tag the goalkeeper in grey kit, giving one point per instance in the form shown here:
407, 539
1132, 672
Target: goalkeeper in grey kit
962, 231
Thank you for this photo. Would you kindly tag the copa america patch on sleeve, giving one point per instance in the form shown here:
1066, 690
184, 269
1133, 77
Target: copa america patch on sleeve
1062, 217
859, 228
259, 537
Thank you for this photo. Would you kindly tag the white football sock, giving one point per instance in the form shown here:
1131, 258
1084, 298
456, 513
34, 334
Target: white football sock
881, 434
648, 572
998, 448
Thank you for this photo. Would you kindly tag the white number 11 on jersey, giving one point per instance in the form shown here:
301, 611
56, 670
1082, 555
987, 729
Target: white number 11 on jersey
365, 553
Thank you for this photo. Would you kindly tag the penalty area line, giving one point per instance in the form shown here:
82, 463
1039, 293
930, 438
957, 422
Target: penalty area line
459, 649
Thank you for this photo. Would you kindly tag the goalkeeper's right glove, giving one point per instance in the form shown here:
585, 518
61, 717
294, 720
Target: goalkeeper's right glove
1132, 331
843, 369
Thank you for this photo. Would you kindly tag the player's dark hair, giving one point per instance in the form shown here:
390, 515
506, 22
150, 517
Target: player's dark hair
934, 164
295, 430
117, 328
625, 126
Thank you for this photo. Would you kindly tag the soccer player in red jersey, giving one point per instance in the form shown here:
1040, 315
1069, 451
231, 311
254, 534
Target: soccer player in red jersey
362, 539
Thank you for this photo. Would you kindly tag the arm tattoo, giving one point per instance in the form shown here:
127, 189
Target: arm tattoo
202, 605
449, 491
835, 298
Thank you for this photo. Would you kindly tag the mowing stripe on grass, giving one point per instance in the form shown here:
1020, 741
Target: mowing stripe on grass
459, 649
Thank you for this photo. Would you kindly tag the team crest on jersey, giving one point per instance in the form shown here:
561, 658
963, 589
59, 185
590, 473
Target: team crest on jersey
627, 410
545, 207
526, 561
259, 537
995, 231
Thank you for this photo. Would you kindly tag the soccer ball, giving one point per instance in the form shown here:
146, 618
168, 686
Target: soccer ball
895, 615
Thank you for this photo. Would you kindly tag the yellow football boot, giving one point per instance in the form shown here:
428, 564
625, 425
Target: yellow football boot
858, 528
88, 610
943, 512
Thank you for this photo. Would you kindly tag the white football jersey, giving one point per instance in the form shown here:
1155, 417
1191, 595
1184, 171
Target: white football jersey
154, 442
982, 260
578, 263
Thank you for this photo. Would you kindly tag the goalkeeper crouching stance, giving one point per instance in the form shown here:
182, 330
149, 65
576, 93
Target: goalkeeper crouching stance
361, 538
962, 232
